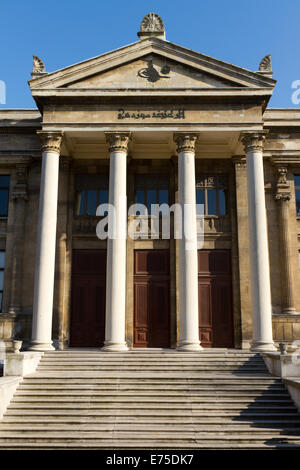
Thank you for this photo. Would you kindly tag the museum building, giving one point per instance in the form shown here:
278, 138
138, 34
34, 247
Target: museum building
160, 124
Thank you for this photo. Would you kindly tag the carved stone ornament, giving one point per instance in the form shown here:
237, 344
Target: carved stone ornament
152, 25
186, 142
38, 65
50, 140
152, 22
118, 140
153, 75
283, 190
253, 141
265, 64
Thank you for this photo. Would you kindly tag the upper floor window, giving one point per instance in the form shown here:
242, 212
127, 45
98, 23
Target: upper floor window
91, 191
212, 192
297, 190
151, 189
4, 193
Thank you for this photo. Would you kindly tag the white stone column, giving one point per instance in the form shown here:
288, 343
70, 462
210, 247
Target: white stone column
188, 255
46, 243
258, 237
116, 246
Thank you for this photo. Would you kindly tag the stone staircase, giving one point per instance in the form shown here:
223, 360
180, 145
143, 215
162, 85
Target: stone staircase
150, 399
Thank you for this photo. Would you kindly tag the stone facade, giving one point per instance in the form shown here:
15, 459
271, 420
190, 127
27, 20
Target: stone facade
151, 91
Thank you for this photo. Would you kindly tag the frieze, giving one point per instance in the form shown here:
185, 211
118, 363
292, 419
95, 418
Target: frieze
160, 114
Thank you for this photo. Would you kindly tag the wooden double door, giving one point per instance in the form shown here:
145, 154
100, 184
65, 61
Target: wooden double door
151, 299
87, 327
215, 298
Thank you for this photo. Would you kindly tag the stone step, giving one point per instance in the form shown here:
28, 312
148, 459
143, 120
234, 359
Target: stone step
163, 394
148, 439
274, 443
152, 360
148, 390
253, 413
90, 399
151, 379
162, 363
147, 406
88, 431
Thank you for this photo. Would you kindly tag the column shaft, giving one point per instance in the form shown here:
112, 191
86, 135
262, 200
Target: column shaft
188, 255
283, 196
20, 197
116, 246
46, 244
259, 254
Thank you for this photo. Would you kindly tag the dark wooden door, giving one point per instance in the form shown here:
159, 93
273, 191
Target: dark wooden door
215, 298
152, 298
87, 328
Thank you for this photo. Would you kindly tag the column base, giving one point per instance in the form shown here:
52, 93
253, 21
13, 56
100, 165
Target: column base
109, 346
261, 346
289, 311
37, 346
186, 346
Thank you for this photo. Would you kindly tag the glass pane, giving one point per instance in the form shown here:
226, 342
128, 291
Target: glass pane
297, 180
212, 201
1, 279
163, 196
151, 199
91, 201
80, 203
2, 259
140, 196
1, 295
222, 202
298, 202
200, 199
3, 202
4, 181
103, 196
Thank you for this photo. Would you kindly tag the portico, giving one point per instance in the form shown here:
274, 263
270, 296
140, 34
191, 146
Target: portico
156, 123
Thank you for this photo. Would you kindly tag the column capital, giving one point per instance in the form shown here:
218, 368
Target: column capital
253, 140
117, 140
283, 190
50, 140
185, 142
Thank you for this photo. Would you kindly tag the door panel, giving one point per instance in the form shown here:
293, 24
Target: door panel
215, 298
87, 328
151, 298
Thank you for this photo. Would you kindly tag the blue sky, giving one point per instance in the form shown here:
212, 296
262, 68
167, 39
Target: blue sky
69, 31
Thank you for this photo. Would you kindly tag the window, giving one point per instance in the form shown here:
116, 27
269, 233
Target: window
91, 191
2, 266
212, 192
4, 192
297, 190
151, 189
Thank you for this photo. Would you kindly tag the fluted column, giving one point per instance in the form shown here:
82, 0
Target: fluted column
283, 196
46, 243
258, 237
20, 196
116, 245
188, 255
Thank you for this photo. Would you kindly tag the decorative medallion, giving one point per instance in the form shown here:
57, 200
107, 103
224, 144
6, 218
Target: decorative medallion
153, 75
152, 22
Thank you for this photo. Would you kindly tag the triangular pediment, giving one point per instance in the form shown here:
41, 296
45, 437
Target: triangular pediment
148, 65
